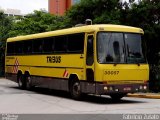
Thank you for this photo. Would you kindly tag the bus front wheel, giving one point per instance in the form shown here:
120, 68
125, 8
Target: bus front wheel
75, 90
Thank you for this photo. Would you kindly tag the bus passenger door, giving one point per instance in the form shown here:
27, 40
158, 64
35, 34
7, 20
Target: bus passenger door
89, 84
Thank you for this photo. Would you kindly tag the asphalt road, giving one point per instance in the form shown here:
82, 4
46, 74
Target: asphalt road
45, 101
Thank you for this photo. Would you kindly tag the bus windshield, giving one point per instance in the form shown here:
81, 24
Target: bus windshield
119, 48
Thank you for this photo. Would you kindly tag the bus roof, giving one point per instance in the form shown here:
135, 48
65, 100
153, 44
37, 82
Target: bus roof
81, 29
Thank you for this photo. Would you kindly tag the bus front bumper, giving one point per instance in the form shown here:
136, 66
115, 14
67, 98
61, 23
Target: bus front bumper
102, 89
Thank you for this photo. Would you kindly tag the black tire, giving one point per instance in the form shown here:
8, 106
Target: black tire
117, 97
28, 82
75, 90
21, 83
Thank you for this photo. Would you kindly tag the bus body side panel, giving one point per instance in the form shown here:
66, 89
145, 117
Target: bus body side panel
50, 71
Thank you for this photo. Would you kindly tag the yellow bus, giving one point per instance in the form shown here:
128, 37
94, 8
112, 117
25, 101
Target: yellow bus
99, 59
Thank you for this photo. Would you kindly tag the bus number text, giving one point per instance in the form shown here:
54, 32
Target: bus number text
111, 72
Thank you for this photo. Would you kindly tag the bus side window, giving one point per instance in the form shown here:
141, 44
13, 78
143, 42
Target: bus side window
10, 48
37, 46
48, 45
60, 44
19, 47
90, 57
28, 46
75, 43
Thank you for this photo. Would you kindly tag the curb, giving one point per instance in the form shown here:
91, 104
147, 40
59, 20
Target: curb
145, 95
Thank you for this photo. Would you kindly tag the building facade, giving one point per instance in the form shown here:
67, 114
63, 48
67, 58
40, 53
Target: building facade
12, 12
59, 7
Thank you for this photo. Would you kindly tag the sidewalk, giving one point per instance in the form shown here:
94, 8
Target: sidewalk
145, 95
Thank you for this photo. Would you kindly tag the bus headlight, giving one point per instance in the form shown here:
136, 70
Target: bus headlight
105, 88
116, 90
145, 87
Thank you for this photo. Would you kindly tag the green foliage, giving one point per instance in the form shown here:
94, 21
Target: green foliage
37, 22
154, 83
5, 26
100, 11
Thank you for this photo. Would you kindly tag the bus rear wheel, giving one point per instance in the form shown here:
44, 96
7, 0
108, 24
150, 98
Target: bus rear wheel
75, 90
20, 80
28, 82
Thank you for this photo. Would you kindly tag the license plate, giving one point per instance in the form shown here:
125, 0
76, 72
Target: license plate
127, 89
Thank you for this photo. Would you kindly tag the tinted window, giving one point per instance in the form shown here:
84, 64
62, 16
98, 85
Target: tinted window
10, 48
19, 47
76, 43
48, 45
37, 46
134, 48
60, 44
28, 46
90, 58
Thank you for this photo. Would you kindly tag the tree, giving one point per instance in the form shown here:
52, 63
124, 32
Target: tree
100, 11
38, 22
5, 26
